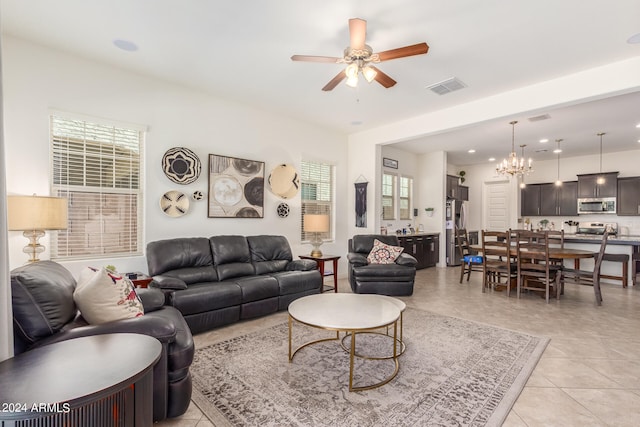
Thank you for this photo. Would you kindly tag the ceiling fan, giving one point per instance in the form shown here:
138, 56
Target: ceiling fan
360, 57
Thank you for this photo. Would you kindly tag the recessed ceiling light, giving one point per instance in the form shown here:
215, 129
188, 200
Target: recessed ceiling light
125, 45
472, 150
638, 125
634, 39
493, 159
543, 140
557, 150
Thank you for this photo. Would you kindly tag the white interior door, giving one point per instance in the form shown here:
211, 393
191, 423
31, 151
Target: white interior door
496, 205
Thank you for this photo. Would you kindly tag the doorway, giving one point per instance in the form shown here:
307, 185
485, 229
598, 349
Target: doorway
496, 205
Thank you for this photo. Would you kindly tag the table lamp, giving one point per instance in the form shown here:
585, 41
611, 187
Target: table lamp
316, 224
33, 215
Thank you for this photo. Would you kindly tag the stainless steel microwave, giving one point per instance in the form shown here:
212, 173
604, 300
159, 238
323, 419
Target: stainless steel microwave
605, 205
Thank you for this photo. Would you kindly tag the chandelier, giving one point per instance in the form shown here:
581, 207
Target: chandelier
514, 165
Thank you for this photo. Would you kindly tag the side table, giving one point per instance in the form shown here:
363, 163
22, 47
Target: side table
100, 380
139, 280
320, 260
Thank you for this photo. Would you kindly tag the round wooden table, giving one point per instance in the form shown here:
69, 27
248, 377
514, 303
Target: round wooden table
100, 380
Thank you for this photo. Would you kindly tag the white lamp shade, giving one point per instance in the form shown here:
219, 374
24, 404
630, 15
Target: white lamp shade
36, 213
316, 223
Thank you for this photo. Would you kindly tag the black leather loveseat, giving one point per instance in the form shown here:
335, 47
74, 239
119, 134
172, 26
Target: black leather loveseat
223, 279
44, 312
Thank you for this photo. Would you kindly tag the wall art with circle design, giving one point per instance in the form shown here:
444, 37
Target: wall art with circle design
181, 165
174, 203
283, 210
236, 187
284, 181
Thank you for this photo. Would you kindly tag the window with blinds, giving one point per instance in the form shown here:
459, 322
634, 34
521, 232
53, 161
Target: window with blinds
388, 196
406, 189
97, 167
316, 189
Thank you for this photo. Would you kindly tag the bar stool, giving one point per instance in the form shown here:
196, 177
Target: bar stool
624, 259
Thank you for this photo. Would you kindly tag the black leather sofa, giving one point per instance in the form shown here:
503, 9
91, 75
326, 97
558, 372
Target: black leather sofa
223, 279
44, 312
384, 279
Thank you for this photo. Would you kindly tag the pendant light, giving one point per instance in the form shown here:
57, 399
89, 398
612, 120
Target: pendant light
600, 180
558, 151
512, 165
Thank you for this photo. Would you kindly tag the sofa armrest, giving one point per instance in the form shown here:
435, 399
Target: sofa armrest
168, 283
357, 259
406, 259
156, 327
302, 265
152, 299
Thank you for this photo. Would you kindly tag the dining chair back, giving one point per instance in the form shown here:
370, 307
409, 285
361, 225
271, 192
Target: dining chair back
593, 277
470, 259
536, 271
497, 267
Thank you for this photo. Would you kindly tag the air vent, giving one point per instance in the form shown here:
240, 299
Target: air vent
446, 86
539, 118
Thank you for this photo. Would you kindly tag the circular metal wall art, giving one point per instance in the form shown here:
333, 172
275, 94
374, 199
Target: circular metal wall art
283, 210
197, 195
284, 181
181, 165
174, 203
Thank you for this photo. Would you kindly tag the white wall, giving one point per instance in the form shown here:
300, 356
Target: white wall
37, 79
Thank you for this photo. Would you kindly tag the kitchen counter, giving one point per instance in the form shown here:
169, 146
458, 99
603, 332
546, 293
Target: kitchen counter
631, 240
421, 233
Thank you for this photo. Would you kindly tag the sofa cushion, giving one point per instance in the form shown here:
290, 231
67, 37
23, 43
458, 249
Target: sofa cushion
269, 253
386, 272
104, 296
203, 297
292, 282
256, 288
231, 257
381, 253
41, 311
182, 253
363, 243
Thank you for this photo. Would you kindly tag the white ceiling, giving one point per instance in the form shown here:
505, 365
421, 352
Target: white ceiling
241, 50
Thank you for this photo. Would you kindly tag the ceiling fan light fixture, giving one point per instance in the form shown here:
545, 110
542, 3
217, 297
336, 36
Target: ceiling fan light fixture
369, 73
352, 81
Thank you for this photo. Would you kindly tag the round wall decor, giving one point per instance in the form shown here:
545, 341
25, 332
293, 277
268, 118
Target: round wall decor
174, 203
181, 165
283, 210
284, 181
197, 195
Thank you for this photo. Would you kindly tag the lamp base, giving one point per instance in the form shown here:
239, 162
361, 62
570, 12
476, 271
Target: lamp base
316, 242
34, 247
316, 253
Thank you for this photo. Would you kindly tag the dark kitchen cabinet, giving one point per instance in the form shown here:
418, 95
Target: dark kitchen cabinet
463, 193
530, 200
559, 200
549, 199
452, 187
628, 196
424, 248
588, 186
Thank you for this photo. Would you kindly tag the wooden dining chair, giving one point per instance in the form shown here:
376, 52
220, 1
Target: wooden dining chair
470, 259
498, 270
593, 277
536, 271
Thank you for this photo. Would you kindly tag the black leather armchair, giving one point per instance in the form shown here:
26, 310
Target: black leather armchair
44, 312
385, 279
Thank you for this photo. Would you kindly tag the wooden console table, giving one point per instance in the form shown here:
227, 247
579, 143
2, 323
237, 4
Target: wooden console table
100, 380
323, 272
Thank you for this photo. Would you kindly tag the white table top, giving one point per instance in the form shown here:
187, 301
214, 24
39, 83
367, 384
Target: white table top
345, 312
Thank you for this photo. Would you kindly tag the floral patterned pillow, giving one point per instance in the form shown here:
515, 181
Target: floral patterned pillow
382, 253
103, 296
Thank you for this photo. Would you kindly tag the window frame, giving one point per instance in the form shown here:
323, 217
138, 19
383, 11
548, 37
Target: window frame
315, 205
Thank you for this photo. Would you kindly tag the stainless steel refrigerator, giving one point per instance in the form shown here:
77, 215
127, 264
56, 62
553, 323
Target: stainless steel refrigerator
455, 215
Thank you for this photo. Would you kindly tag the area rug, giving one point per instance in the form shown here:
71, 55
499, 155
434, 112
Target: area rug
454, 372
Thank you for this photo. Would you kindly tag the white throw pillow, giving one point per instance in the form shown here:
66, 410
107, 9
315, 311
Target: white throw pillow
382, 253
103, 296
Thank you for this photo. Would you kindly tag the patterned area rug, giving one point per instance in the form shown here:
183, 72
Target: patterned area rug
454, 372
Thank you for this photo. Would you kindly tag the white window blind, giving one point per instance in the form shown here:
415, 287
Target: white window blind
388, 196
406, 189
97, 167
316, 184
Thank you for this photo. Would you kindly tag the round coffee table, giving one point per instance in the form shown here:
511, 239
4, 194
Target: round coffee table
348, 313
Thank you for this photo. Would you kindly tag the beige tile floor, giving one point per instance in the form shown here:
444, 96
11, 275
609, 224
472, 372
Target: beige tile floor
589, 374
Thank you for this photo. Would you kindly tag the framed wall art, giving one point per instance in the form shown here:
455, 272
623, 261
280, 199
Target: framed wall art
236, 187
389, 163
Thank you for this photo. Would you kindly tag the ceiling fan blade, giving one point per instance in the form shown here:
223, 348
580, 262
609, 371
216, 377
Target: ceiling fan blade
310, 58
334, 81
401, 52
383, 78
357, 33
